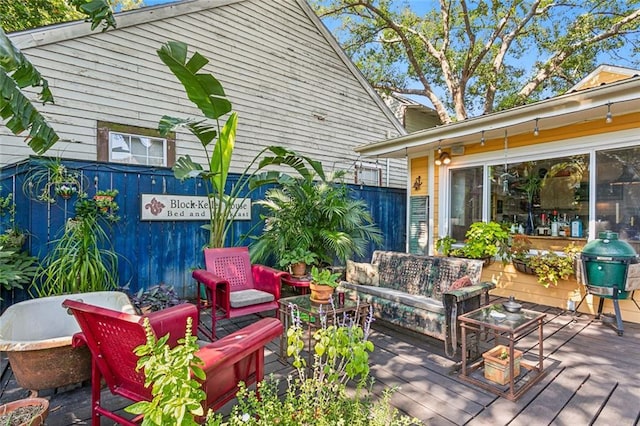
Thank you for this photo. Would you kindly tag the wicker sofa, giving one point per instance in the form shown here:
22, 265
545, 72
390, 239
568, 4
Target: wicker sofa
422, 293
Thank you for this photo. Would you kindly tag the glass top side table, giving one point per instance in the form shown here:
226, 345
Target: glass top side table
509, 326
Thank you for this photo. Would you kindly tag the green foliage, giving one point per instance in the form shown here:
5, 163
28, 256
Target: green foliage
443, 245
17, 268
218, 142
520, 246
318, 395
156, 298
468, 58
317, 214
16, 72
485, 239
297, 255
83, 259
324, 277
172, 373
45, 181
550, 267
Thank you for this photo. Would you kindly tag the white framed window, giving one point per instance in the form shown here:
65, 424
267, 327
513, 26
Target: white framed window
137, 149
368, 174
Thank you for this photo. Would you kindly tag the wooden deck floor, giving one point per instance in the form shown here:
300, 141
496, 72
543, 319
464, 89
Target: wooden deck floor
592, 378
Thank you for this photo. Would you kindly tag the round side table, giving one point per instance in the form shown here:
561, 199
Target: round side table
300, 283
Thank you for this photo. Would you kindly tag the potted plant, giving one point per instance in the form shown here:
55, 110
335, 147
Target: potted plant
321, 214
83, 258
550, 267
104, 200
443, 245
484, 240
155, 298
297, 260
519, 252
497, 364
27, 411
323, 282
48, 178
66, 191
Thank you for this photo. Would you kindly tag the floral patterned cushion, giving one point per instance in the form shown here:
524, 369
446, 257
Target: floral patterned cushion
362, 273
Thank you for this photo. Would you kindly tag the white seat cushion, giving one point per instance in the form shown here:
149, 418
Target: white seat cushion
241, 298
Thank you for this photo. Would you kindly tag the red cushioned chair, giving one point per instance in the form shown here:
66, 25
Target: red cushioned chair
234, 287
112, 336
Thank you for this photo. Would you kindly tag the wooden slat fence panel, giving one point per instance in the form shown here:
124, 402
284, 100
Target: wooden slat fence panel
159, 252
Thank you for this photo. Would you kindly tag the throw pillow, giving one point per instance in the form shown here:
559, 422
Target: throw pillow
362, 273
461, 282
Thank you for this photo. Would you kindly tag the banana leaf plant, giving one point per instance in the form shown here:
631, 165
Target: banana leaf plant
16, 73
217, 135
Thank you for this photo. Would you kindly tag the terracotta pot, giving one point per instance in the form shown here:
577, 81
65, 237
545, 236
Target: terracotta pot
496, 368
320, 293
36, 420
299, 269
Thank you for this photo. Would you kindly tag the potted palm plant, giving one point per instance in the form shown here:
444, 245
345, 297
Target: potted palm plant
319, 214
323, 282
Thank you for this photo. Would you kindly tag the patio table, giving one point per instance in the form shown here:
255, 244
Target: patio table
310, 317
513, 327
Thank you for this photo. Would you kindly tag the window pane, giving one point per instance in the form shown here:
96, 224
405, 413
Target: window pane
618, 193
542, 197
134, 149
466, 200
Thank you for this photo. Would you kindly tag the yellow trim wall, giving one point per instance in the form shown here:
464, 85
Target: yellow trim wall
419, 170
525, 287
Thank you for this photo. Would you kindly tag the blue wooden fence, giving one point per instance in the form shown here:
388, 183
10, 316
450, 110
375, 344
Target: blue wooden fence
157, 252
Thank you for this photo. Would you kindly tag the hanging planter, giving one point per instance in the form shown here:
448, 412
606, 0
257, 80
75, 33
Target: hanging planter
66, 190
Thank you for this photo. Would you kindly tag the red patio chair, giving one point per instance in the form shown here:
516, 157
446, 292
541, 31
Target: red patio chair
112, 336
234, 287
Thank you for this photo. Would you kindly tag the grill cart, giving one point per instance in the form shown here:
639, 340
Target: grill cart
610, 271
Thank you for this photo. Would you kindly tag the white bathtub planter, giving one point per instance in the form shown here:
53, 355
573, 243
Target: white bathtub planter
37, 333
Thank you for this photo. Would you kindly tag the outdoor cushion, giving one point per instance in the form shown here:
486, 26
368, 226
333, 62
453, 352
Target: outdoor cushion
400, 297
241, 298
362, 273
461, 282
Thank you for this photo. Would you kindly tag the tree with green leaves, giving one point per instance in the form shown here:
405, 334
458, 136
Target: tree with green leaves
22, 15
17, 73
472, 58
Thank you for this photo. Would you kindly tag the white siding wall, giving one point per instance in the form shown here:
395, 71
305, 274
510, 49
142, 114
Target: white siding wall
275, 64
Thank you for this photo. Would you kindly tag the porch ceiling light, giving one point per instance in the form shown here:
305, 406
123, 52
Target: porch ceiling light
482, 139
609, 116
536, 132
444, 158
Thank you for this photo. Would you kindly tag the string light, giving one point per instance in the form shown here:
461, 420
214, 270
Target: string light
536, 132
482, 139
609, 117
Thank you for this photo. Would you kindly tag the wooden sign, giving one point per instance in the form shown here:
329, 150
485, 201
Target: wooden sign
163, 207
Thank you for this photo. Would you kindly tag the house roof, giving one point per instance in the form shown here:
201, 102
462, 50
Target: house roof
605, 74
622, 97
69, 30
